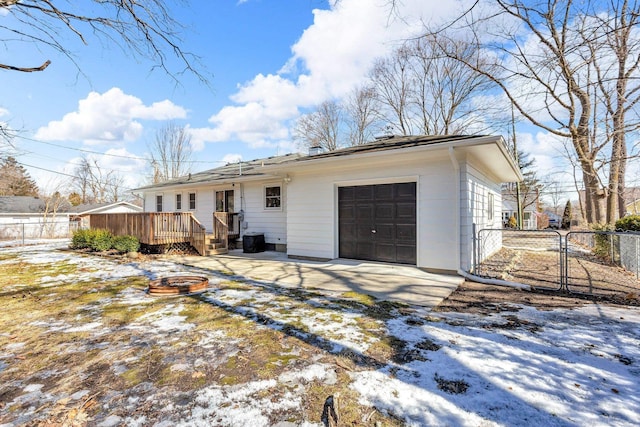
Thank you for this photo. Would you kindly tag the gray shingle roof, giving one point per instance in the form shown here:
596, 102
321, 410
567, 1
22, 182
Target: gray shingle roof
228, 171
250, 168
26, 204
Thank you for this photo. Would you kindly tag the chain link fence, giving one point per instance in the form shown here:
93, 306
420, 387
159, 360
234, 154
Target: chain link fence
531, 257
21, 232
600, 263
603, 263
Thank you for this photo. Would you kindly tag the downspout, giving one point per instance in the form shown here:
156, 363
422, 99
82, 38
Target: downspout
456, 169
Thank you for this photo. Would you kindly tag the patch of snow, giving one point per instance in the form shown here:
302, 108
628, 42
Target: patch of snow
84, 328
111, 421
79, 394
238, 405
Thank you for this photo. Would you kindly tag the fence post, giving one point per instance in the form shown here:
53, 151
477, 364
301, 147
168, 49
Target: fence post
474, 245
23, 234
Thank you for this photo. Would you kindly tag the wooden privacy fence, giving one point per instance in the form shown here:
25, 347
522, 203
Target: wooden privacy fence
154, 228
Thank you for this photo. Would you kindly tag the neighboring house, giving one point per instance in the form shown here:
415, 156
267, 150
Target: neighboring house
529, 213
33, 218
81, 213
412, 200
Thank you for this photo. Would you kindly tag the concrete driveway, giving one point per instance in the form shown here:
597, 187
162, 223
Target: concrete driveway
391, 282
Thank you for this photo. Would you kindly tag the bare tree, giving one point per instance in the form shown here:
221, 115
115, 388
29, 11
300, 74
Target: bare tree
171, 152
320, 128
422, 89
145, 27
95, 184
361, 115
616, 35
444, 89
391, 78
542, 63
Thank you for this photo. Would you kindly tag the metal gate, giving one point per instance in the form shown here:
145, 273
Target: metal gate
597, 263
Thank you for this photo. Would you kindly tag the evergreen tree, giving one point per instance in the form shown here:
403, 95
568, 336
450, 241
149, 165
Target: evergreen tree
566, 216
15, 180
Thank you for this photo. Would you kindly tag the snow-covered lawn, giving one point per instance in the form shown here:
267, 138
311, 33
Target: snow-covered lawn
82, 343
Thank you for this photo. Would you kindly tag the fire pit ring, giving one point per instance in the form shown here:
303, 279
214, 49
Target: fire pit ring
178, 285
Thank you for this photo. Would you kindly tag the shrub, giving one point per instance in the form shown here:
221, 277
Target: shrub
629, 223
101, 240
566, 216
81, 239
513, 222
602, 242
125, 244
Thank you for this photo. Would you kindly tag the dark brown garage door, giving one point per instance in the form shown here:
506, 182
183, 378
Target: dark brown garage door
378, 222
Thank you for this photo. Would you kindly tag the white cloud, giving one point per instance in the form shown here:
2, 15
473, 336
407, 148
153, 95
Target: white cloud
3, 112
107, 117
332, 56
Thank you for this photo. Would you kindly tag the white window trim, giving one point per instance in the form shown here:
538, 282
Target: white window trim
490, 206
181, 202
195, 200
155, 202
264, 198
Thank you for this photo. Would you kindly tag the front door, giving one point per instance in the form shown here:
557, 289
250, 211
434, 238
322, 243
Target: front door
378, 222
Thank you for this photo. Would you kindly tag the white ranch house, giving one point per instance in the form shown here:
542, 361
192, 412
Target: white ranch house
411, 200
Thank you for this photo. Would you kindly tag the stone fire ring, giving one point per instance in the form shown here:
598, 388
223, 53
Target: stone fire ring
178, 285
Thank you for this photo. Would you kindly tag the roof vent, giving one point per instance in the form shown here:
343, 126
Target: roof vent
316, 149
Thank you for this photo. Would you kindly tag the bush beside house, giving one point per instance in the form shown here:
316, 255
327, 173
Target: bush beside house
102, 240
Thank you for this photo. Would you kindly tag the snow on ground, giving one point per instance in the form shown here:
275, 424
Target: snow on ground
525, 367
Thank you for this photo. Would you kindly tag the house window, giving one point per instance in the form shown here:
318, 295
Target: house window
272, 197
178, 202
192, 201
159, 203
490, 207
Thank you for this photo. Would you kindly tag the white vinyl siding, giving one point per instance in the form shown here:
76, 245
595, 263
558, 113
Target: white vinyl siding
477, 191
312, 219
272, 222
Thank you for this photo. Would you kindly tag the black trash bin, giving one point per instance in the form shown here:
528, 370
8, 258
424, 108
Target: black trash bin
252, 243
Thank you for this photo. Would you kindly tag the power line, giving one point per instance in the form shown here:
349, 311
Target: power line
133, 157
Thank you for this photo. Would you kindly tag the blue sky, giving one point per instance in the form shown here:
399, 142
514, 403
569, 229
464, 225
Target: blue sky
269, 61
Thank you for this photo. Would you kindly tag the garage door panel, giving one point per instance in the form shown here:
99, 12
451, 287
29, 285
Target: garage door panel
364, 212
346, 193
347, 213
384, 192
406, 210
365, 250
364, 192
405, 190
406, 254
363, 232
384, 211
406, 233
385, 252
385, 232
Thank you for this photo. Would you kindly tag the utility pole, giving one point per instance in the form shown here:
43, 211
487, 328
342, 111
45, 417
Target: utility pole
515, 154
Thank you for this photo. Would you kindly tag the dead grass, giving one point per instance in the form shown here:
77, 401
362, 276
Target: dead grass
119, 361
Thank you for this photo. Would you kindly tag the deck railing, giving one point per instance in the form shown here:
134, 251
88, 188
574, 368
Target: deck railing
226, 226
154, 228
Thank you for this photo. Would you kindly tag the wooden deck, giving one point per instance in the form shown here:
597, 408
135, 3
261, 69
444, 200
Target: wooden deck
161, 228
155, 228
